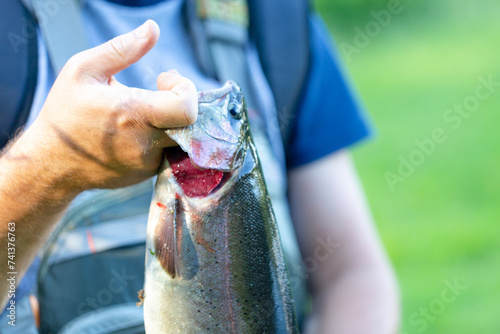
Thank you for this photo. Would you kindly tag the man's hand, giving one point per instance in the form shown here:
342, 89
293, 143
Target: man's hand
102, 133
92, 132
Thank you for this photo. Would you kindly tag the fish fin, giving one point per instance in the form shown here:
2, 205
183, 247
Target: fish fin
166, 240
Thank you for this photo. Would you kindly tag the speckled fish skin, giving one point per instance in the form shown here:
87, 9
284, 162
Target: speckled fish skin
229, 271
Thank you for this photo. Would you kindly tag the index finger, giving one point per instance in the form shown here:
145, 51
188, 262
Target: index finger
176, 102
175, 106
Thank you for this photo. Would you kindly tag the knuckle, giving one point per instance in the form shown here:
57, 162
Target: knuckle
117, 49
133, 115
76, 65
185, 85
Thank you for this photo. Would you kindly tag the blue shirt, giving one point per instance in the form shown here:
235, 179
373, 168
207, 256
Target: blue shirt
329, 116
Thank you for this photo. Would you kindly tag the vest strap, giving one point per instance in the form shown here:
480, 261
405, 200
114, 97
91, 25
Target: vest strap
62, 29
220, 32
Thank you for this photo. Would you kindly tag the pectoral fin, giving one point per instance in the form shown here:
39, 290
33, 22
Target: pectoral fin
165, 238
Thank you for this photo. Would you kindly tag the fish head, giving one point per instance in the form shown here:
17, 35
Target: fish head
213, 149
218, 138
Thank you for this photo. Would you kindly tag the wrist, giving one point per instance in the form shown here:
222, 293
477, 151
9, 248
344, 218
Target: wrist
32, 167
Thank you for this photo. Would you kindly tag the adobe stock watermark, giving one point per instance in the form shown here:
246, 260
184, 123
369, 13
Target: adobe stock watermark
104, 297
282, 120
48, 9
11, 274
453, 118
372, 29
421, 318
322, 252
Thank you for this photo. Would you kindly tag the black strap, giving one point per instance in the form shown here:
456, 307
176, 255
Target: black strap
18, 67
62, 28
219, 31
280, 31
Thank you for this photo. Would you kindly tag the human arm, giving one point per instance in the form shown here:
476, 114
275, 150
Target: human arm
354, 289
92, 132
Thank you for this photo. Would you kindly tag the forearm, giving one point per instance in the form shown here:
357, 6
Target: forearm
33, 195
354, 289
358, 302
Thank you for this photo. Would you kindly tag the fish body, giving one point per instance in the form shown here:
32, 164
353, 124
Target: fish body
214, 262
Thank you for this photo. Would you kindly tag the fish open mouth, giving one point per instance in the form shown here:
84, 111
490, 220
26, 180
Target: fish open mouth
194, 182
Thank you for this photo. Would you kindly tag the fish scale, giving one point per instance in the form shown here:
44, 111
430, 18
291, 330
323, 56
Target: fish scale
225, 271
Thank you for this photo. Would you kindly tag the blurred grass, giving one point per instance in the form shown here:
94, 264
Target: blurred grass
443, 221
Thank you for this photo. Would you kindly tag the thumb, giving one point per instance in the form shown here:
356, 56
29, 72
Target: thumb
117, 54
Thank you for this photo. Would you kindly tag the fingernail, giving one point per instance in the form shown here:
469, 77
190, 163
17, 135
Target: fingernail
173, 71
143, 31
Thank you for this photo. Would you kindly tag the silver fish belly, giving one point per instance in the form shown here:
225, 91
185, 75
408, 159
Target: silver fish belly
214, 261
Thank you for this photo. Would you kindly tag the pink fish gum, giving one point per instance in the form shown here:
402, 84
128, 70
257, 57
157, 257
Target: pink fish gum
193, 181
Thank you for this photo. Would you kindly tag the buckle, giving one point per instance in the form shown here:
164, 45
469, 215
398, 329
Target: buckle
228, 11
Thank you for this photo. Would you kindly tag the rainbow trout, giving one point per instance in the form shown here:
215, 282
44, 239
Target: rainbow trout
214, 262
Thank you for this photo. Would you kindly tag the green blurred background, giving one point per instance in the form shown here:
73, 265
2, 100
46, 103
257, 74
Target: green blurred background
438, 215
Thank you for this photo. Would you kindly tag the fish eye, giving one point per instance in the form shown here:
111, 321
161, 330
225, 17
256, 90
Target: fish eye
235, 111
